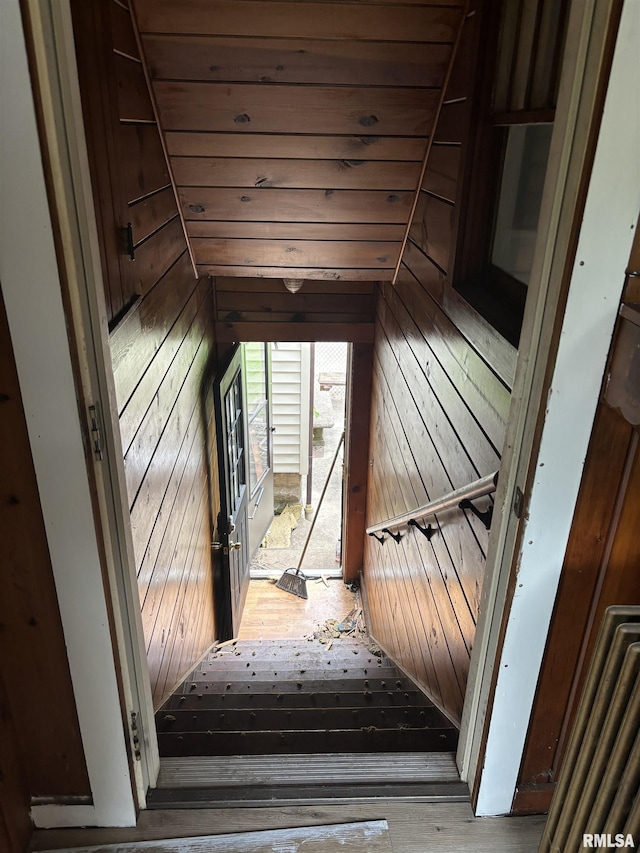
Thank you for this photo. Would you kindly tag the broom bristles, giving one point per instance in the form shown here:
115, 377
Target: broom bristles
296, 583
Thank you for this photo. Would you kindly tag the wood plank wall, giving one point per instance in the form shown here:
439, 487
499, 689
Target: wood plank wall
296, 129
161, 340
341, 310
441, 390
38, 717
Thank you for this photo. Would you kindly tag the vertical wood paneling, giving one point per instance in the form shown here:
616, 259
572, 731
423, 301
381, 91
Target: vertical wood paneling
39, 708
161, 346
442, 382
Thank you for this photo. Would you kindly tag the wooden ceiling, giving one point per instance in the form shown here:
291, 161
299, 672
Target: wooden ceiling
296, 131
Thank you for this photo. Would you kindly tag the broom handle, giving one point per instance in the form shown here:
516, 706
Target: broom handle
315, 515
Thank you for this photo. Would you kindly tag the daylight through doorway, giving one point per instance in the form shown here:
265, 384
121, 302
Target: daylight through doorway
308, 382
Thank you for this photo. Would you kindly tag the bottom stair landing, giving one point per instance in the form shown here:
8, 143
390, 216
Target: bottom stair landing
297, 719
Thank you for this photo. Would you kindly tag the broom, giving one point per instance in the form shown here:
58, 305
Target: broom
293, 580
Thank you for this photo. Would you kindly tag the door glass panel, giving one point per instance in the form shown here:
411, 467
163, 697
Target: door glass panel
235, 439
525, 165
257, 413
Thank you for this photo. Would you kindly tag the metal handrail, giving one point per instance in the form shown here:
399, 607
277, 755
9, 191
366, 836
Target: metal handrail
477, 489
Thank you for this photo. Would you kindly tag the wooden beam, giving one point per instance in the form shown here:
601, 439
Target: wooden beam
350, 332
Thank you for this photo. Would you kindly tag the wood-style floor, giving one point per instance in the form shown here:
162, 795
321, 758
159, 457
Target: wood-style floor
273, 614
413, 827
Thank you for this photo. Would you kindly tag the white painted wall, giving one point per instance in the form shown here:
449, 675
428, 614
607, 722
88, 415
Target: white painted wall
290, 406
31, 289
610, 216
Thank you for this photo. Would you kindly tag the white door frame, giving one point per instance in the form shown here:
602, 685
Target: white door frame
84, 505
525, 555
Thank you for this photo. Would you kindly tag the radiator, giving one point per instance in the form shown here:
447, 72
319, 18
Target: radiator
597, 795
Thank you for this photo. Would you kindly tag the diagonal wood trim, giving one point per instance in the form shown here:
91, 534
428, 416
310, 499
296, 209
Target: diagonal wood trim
436, 114
154, 107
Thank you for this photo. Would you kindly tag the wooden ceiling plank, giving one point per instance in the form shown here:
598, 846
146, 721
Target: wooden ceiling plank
291, 146
277, 205
298, 20
271, 108
299, 253
239, 284
294, 331
253, 60
296, 230
305, 273
302, 174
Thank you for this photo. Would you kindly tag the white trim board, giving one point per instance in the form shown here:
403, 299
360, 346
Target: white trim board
611, 213
31, 288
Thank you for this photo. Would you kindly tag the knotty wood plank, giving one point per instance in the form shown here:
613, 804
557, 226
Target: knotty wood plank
298, 20
157, 254
297, 253
226, 331
140, 452
295, 231
498, 353
146, 327
436, 601
432, 228
262, 285
302, 301
152, 213
149, 497
460, 535
278, 205
177, 602
144, 168
479, 387
306, 273
134, 104
267, 108
302, 174
308, 147
353, 63
442, 172
33, 659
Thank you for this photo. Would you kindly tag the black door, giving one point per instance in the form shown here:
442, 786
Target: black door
232, 520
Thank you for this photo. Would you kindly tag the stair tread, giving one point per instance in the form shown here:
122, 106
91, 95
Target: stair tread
385, 698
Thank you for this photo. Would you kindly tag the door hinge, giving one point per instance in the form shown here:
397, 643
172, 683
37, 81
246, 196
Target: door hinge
95, 424
135, 736
518, 502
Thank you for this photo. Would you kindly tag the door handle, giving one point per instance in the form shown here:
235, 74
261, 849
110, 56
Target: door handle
235, 546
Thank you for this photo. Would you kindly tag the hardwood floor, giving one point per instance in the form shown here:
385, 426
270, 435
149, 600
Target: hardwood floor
272, 614
413, 827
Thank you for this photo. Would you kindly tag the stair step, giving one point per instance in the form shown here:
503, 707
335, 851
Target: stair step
358, 699
368, 739
255, 685
308, 769
212, 673
283, 719
295, 662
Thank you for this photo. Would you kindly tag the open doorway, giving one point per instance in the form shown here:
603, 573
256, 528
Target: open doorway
296, 419
308, 419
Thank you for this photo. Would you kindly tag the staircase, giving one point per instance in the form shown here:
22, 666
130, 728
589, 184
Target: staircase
266, 697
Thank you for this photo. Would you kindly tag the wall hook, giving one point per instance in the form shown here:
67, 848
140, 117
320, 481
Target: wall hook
379, 538
395, 536
484, 516
427, 531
